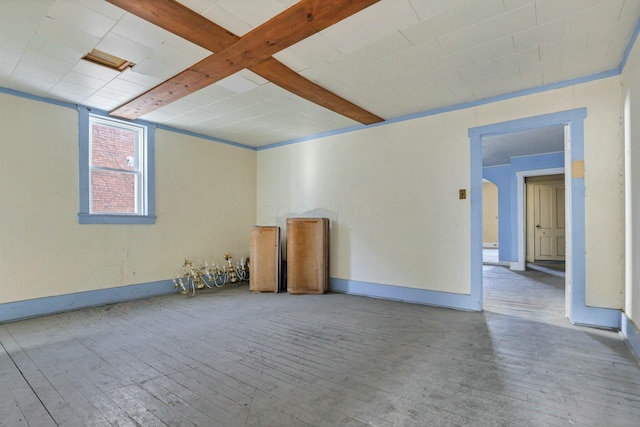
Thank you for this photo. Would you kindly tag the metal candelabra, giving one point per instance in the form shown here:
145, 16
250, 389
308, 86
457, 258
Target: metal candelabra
205, 276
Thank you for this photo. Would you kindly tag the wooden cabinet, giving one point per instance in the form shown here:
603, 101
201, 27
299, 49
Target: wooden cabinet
264, 259
307, 255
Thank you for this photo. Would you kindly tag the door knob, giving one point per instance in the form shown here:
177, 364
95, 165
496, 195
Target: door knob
538, 226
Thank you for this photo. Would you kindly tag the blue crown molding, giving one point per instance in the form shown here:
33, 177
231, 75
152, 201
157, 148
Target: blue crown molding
208, 138
25, 95
630, 45
465, 105
490, 100
319, 136
172, 129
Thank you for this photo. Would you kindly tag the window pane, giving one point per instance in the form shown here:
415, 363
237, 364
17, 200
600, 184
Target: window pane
113, 147
113, 192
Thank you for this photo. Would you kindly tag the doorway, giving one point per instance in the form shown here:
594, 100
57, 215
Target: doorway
545, 222
573, 122
520, 162
572, 151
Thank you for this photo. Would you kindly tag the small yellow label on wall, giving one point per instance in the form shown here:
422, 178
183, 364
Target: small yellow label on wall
577, 169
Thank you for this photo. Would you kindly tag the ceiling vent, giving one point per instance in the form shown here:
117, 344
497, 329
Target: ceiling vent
108, 60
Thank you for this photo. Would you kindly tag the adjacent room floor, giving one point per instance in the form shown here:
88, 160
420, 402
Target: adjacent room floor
231, 358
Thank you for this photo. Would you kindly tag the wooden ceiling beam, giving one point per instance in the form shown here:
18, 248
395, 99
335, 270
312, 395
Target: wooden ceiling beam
252, 51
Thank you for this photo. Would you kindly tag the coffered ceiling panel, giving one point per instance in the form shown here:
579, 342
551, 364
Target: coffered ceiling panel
77, 16
379, 21
393, 58
255, 15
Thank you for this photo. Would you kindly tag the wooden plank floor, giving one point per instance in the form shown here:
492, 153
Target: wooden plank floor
232, 358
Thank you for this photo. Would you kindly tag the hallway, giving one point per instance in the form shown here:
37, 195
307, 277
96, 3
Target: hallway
531, 295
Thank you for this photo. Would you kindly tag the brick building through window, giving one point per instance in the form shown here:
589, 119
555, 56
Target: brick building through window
113, 151
116, 166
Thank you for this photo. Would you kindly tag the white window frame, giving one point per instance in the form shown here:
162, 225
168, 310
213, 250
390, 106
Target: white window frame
144, 172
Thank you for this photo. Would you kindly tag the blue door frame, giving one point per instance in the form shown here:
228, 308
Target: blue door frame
579, 312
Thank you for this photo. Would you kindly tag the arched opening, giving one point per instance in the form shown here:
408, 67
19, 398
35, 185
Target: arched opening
490, 219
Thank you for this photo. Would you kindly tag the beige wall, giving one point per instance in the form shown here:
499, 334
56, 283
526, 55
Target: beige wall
604, 201
205, 203
489, 213
630, 106
392, 196
392, 192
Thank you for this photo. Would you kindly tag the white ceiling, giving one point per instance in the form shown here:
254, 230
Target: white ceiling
395, 58
499, 149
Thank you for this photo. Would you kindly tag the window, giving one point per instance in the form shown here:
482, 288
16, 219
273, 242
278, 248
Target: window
116, 171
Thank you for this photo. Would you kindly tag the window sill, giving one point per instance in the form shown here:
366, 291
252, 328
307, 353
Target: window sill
84, 218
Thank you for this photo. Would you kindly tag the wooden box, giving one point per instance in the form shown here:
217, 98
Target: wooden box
307, 255
264, 259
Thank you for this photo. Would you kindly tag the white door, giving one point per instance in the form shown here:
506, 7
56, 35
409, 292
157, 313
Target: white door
548, 217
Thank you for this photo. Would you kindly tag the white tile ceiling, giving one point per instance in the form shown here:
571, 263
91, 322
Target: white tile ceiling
396, 57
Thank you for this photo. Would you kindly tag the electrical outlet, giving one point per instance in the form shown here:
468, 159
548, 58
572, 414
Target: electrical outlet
462, 194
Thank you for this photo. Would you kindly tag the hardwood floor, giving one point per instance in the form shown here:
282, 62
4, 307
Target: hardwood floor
232, 358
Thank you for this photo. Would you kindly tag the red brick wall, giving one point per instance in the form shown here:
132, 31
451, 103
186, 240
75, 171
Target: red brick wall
111, 191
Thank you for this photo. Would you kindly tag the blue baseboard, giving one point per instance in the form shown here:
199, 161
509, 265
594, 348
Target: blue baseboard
632, 334
401, 293
607, 318
56, 304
